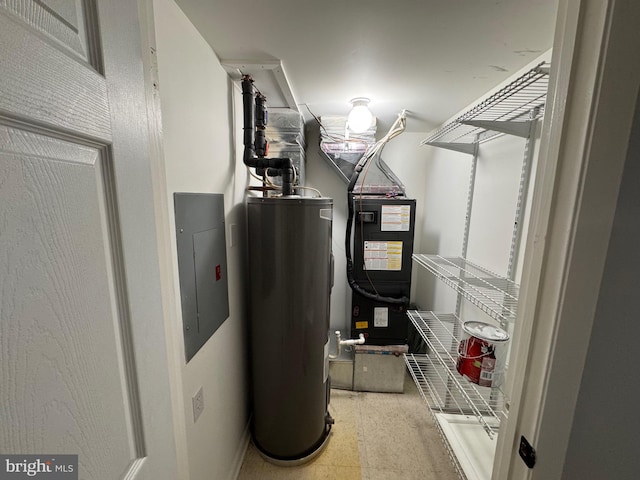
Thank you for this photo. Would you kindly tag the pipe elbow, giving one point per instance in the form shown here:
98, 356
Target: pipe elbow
356, 341
248, 156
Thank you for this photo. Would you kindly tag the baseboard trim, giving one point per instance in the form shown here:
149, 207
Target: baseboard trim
241, 450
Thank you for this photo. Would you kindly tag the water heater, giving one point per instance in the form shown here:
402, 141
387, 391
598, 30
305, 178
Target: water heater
291, 276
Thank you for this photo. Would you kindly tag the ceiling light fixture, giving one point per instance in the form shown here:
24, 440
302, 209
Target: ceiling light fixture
360, 117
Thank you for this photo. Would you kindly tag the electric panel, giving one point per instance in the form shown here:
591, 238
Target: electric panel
202, 266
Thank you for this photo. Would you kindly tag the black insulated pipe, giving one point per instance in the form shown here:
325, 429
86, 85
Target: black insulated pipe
253, 142
261, 125
249, 119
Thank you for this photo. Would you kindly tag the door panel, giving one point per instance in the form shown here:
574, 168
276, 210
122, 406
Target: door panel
62, 20
83, 365
44, 86
62, 376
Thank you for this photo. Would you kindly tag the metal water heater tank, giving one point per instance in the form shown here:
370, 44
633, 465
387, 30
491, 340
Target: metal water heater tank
291, 275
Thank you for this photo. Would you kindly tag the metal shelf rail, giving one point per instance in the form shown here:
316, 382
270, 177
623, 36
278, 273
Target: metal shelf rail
448, 391
506, 111
495, 295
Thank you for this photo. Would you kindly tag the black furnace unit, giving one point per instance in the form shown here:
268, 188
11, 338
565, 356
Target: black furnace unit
382, 250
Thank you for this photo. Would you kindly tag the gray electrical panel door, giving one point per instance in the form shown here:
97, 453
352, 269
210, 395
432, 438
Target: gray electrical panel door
202, 266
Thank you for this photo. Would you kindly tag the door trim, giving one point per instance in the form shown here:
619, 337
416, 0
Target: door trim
585, 135
123, 65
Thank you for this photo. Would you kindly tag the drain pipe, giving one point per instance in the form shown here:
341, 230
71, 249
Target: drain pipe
339, 343
255, 146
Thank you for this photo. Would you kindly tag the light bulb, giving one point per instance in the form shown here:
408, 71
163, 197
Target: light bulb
360, 117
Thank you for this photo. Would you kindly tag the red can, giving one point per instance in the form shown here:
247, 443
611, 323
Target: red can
481, 354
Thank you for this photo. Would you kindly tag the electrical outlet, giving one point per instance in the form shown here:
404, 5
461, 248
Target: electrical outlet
198, 404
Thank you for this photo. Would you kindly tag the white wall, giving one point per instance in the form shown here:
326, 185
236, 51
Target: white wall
494, 202
446, 187
199, 156
417, 167
320, 175
409, 161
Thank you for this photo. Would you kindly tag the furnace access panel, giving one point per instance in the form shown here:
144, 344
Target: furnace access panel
383, 246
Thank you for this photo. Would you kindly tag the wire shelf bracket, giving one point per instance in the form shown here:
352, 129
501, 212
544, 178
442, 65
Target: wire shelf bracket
510, 127
468, 148
510, 105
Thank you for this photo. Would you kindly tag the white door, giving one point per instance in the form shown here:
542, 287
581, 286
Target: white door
588, 118
83, 367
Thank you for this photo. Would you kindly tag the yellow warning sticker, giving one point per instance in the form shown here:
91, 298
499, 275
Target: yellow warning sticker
383, 255
362, 324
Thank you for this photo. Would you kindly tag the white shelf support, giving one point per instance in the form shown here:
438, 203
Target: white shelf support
510, 127
468, 148
523, 191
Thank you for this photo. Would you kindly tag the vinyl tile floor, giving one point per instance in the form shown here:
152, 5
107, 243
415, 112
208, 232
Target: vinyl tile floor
376, 436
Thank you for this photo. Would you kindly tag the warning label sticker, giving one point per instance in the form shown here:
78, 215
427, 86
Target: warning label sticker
395, 218
380, 317
383, 256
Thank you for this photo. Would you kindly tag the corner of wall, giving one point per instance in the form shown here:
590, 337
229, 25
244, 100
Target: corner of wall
196, 152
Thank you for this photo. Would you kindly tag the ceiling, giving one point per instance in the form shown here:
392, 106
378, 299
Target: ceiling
430, 57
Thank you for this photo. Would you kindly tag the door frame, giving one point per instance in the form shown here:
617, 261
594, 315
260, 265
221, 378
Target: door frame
122, 46
167, 277
592, 95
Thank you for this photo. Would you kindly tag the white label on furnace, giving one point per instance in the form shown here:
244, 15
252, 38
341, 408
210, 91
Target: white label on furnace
383, 256
380, 317
395, 218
